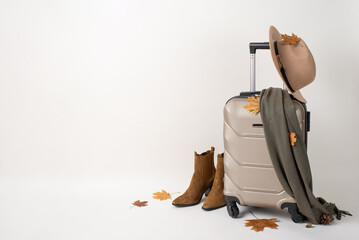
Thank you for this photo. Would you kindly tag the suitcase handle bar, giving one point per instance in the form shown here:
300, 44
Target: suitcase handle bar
253, 46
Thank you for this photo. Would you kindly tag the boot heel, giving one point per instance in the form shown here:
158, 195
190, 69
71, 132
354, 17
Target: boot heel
208, 191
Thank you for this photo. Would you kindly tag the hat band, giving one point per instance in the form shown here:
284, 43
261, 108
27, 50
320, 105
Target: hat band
282, 70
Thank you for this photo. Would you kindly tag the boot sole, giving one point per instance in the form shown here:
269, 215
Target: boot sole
182, 205
211, 209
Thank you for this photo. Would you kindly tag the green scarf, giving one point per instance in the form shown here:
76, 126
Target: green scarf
291, 162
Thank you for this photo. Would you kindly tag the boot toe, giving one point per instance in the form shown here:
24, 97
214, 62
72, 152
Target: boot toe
178, 201
181, 200
213, 204
184, 200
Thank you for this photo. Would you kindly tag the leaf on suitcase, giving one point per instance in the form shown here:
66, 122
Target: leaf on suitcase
138, 203
162, 195
292, 138
289, 40
253, 105
259, 224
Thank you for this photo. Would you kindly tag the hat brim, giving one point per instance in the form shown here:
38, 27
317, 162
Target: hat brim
298, 95
274, 36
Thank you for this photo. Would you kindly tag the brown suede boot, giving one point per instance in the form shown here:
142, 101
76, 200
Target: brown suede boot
201, 182
215, 198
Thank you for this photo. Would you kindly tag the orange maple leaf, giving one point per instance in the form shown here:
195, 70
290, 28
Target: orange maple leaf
289, 40
162, 195
138, 203
259, 224
292, 138
253, 105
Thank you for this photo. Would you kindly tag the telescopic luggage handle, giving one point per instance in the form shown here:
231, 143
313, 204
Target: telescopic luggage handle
253, 46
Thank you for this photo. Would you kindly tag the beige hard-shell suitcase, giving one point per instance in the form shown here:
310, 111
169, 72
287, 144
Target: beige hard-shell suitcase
250, 178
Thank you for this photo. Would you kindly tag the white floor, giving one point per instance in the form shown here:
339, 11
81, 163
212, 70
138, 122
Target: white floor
98, 209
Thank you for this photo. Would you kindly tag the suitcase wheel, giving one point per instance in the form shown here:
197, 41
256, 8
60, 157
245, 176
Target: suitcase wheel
233, 211
232, 208
296, 216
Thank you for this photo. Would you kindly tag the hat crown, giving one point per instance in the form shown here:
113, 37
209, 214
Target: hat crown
294, 62
298, 63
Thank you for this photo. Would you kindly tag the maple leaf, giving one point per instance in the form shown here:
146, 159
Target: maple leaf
292, 138
138, 203
259, 224
253, 105
289, 40
162, 195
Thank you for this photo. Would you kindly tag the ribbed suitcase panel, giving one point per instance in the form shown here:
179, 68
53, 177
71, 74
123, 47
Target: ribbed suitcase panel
249, 173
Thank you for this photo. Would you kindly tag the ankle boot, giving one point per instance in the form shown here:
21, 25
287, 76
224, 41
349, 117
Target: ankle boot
201, 182
215, 198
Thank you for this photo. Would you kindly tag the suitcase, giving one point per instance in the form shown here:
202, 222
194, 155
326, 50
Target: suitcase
249, 176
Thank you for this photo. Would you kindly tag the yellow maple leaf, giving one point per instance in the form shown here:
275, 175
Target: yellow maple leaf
253, 105
289, 40
292, 138
259, 224
162, 195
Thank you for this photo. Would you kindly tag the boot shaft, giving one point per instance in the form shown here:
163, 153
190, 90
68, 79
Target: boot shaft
220, 166
204, 165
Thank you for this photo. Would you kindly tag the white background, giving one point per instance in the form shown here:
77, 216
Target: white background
103, 103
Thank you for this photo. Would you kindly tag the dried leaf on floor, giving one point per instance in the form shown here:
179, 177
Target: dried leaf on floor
138, 203
259, 224
162, 195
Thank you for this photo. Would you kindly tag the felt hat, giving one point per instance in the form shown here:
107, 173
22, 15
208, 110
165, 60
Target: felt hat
294, 63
